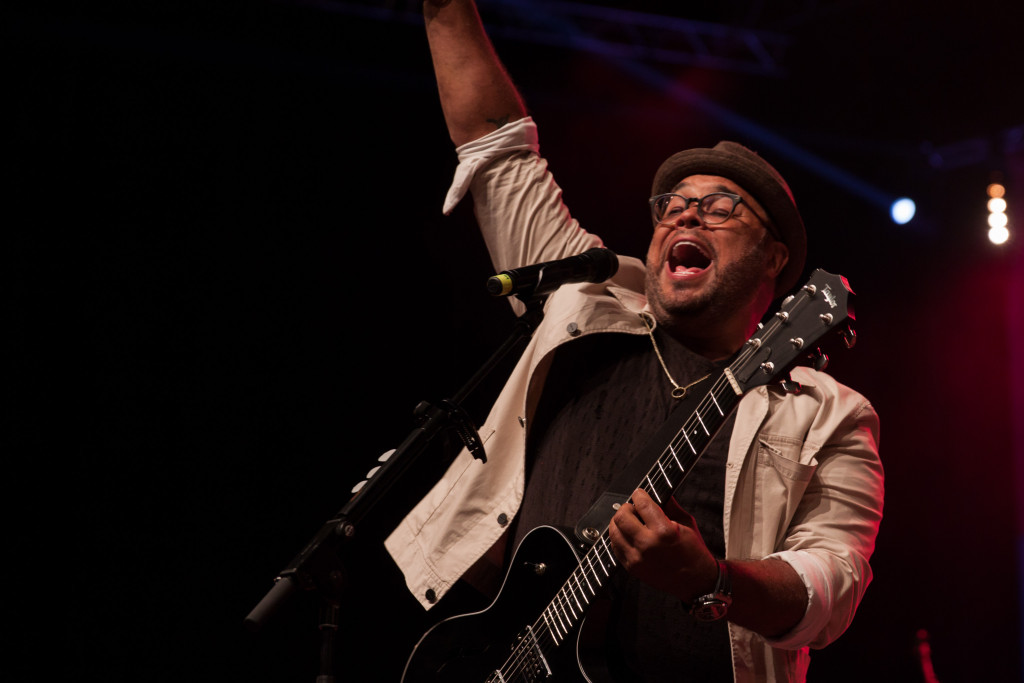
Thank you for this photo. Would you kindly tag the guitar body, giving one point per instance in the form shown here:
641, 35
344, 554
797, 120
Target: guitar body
473, 647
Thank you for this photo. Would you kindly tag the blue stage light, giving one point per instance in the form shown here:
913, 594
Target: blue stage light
902, 210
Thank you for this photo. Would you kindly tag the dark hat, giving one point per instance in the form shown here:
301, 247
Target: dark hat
757, 177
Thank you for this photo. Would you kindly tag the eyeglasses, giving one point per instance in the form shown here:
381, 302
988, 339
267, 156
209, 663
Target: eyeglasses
712, 209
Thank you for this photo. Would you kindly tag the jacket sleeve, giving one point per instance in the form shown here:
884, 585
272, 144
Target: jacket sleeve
518, 205
831, 536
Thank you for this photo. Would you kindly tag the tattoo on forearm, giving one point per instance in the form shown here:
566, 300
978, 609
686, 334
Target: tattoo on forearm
498, 123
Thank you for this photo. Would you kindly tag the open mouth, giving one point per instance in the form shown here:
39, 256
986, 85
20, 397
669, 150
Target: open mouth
687, 257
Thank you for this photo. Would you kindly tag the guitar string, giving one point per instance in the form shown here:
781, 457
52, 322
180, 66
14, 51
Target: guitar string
540, 628
522, 654
574, 586
561, 599
749, 350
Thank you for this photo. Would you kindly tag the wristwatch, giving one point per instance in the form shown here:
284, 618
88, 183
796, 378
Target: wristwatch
714, 605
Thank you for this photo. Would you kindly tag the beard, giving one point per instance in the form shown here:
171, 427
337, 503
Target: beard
733, 287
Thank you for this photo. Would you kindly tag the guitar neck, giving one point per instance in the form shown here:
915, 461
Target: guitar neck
674, 462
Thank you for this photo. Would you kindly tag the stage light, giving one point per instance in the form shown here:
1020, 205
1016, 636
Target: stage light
998, 235
997, 205
998, 222
902, 210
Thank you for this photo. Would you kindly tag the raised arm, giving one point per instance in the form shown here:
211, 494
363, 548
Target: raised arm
477, 94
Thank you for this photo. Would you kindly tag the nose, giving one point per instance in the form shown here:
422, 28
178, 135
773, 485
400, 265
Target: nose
689, 217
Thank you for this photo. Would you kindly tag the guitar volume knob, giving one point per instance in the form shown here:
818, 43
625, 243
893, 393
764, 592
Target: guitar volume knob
538, 568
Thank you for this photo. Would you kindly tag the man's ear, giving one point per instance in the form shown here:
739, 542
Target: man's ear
777, 257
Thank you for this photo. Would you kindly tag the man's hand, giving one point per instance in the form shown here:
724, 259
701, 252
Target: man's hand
664, 551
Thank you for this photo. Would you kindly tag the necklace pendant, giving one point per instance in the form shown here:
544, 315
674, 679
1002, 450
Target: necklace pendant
679, 392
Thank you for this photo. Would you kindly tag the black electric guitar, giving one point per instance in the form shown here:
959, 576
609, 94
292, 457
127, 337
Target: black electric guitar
532, 630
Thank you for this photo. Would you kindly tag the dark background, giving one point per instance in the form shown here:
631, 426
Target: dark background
230, 283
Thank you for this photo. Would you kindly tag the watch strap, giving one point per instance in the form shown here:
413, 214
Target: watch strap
715, 605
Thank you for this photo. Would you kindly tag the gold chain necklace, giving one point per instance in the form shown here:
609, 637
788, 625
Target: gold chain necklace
678, 392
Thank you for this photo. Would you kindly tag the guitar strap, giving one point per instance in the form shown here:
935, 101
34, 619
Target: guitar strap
629, 478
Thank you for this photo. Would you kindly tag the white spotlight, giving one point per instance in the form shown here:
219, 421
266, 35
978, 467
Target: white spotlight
903, 210
998, 235
998, 220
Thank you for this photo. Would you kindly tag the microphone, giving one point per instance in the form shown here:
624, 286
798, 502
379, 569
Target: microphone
594, 265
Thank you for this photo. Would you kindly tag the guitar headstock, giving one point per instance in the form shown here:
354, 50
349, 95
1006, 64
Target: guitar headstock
798, 331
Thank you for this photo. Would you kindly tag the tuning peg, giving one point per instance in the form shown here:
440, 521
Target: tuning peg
789, 386
849, 336
819, 360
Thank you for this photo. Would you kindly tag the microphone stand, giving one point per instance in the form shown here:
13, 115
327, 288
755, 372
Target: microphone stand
319, 565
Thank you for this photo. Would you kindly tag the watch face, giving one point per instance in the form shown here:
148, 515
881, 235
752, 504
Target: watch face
710, 610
